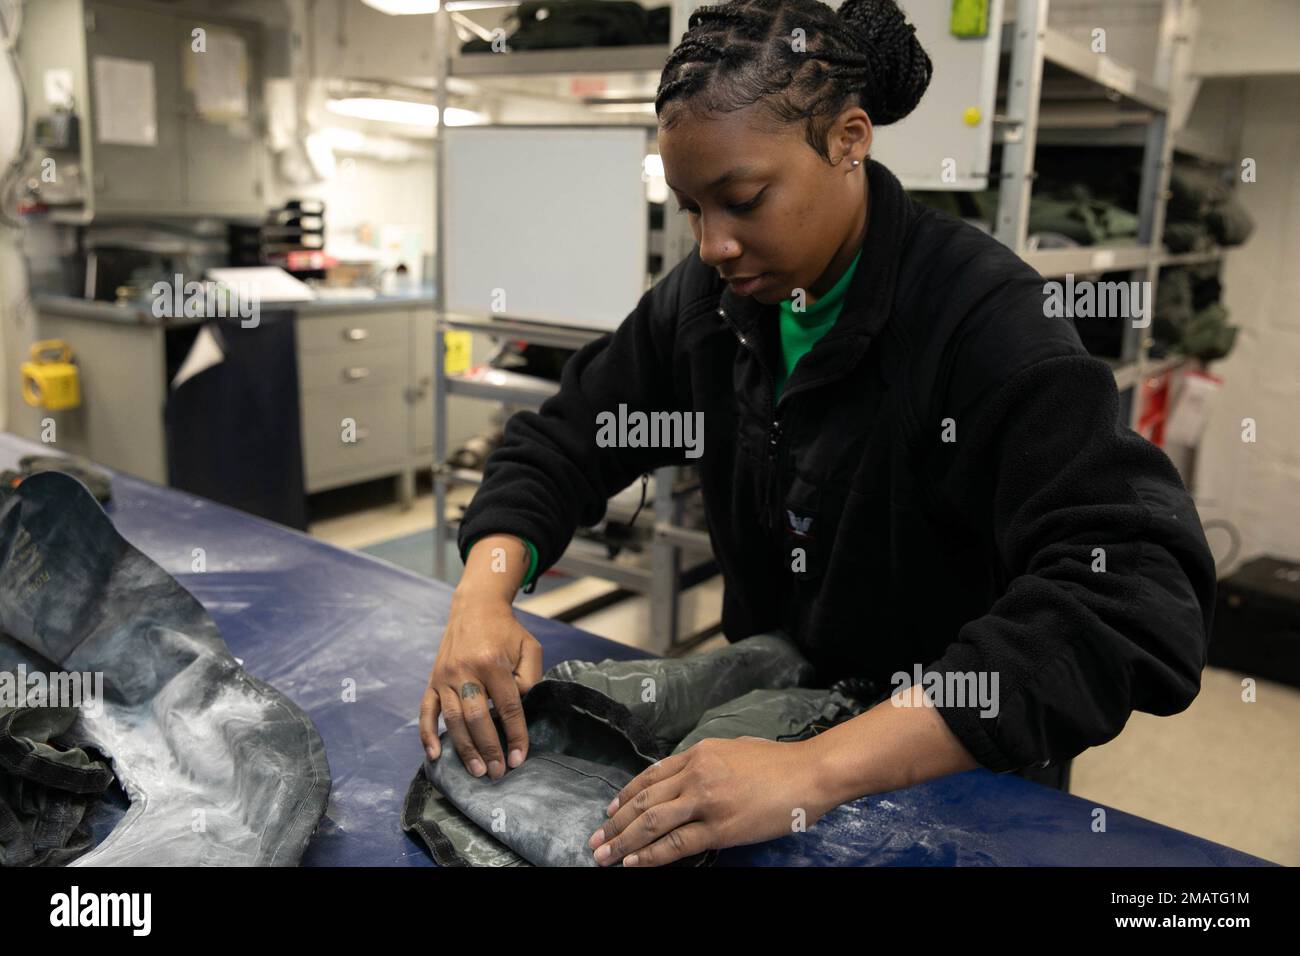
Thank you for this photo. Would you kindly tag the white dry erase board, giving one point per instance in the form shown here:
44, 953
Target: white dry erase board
550, 224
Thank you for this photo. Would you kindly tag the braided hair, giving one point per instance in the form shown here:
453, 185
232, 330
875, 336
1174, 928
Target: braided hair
740, 52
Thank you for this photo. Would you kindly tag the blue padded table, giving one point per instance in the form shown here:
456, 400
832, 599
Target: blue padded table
325, 625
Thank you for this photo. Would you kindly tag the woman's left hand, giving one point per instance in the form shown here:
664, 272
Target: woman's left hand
716, 794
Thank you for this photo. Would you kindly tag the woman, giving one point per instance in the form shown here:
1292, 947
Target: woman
907, 464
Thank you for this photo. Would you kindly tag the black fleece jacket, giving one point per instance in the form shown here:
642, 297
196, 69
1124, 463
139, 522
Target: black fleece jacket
944, 483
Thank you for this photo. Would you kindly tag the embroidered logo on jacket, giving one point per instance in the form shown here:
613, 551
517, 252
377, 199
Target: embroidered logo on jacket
802, 527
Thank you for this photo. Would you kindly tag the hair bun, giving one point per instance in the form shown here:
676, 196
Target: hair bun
900, 67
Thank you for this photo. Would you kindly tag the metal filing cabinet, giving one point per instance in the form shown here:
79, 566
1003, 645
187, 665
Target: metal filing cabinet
130, 178
354, 366
374, 365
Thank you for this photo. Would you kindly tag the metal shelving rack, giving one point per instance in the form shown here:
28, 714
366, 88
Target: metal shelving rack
633, 66
1032, 45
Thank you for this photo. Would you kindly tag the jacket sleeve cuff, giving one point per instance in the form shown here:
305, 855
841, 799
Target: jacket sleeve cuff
974, 730
968, 727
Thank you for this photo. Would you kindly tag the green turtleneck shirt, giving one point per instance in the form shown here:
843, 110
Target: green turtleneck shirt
801, 330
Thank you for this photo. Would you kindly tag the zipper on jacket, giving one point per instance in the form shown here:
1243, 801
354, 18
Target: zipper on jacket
771, 509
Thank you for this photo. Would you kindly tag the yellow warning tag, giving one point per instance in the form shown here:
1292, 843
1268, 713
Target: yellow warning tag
456, 356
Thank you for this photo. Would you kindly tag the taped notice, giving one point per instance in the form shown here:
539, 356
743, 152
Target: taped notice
457, 354
218, 76
58, 88
125, 109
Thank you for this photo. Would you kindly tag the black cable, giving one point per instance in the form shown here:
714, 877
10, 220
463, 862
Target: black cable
16, 164
1234, 537
645, 480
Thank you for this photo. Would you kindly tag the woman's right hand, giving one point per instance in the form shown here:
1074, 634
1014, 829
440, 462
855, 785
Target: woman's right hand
485, 655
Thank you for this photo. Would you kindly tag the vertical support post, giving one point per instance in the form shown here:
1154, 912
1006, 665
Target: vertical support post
1153, 193
1023, 96
665, 584
442, 67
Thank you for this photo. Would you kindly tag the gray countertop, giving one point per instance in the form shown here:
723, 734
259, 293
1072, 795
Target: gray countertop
141, 312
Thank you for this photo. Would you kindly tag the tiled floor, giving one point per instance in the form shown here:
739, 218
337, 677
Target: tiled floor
1223, 769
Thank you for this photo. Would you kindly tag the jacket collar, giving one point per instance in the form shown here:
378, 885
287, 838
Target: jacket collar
870, 296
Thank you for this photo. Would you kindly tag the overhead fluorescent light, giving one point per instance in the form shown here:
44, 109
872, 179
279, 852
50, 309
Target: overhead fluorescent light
405, 112
456, 116
399, 8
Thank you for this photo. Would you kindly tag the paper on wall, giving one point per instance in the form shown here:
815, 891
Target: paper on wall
58, 88
405, 245
219, 76
125, 107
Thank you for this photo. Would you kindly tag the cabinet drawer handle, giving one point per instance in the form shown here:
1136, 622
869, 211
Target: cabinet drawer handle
356, 373
356, 335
